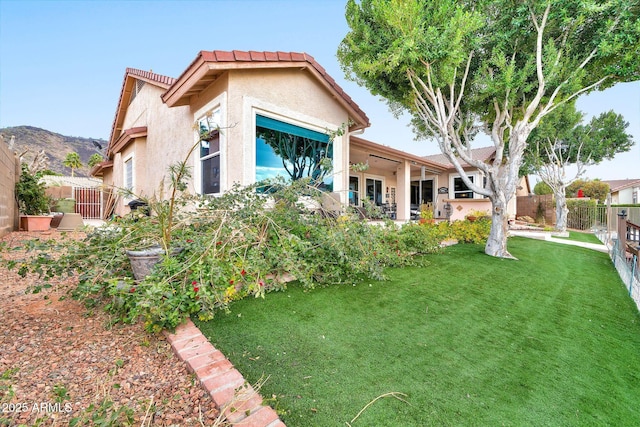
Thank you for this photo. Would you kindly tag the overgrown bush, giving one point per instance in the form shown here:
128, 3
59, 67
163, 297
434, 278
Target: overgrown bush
230, 247
463, 231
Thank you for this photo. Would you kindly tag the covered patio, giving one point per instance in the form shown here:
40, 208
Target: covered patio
396, 181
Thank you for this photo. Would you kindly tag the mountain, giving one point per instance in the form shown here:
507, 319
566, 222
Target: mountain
56, 147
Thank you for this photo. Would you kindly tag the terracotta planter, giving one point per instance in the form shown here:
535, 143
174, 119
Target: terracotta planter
471, 218
35, 222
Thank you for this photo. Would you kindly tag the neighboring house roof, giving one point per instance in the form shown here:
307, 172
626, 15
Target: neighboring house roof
484, 154
621, 184
128, 88
209, 65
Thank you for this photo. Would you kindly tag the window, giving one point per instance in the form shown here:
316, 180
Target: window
421, 192
374, 190
128, 174
210, 153
460, 189
354, 188
292, 152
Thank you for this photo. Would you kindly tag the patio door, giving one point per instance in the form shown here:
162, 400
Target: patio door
421, 192
426, 191
374, 190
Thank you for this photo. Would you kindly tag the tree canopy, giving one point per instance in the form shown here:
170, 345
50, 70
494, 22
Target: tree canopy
497, 66
583, 45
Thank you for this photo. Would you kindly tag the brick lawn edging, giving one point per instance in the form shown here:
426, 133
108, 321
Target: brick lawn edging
241, 404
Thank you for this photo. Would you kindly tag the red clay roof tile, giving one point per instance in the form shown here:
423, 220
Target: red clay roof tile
150, 75
241, 55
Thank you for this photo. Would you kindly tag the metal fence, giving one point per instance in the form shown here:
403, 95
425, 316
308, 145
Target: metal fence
596, 218
625, 263
628, 270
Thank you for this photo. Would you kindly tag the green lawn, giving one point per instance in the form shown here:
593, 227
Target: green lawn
582, 237
551, 339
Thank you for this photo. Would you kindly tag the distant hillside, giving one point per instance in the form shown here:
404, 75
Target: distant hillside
56, 146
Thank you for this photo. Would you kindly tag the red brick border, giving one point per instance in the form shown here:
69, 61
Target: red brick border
241, 404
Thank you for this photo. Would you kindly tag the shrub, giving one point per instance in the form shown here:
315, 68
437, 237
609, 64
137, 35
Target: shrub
471, 232
30, 193
237, 245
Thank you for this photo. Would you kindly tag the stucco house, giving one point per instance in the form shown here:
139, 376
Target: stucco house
269, 106
624, 191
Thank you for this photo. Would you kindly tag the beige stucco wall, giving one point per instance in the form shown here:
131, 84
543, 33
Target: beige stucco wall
292, 96
169, 138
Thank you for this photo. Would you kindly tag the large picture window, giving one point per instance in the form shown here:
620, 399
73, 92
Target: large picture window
460, 189
292, 152
210, 153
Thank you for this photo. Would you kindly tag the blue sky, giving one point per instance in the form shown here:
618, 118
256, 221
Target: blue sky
62, 62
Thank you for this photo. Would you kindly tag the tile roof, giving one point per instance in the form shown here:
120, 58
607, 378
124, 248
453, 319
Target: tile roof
150, 76
224, 60
483, 153
131, 74
620, 184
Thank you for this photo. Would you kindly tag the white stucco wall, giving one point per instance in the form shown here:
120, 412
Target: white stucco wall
626, 196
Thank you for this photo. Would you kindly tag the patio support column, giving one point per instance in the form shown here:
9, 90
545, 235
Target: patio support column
403, 191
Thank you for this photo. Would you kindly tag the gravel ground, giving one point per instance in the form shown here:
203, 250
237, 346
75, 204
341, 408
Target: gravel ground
59, 362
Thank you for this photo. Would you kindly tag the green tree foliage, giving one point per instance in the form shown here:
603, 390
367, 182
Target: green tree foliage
596, 189
461, 67
572, 189
542, 188
95, 159
561, 139
73, 161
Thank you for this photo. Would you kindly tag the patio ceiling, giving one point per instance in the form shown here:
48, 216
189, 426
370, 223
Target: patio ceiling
387, 158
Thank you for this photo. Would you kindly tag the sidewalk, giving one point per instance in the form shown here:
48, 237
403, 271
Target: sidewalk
548, 236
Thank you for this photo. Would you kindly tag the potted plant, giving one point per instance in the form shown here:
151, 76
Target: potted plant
33, 203
161, 212
426, 214
475, 215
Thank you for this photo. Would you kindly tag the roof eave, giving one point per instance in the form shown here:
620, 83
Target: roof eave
414, 159
203, 71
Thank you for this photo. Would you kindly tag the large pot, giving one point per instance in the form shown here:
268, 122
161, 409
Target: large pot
142, 262
65, 205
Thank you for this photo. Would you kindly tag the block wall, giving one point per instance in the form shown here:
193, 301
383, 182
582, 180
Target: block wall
9, 173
